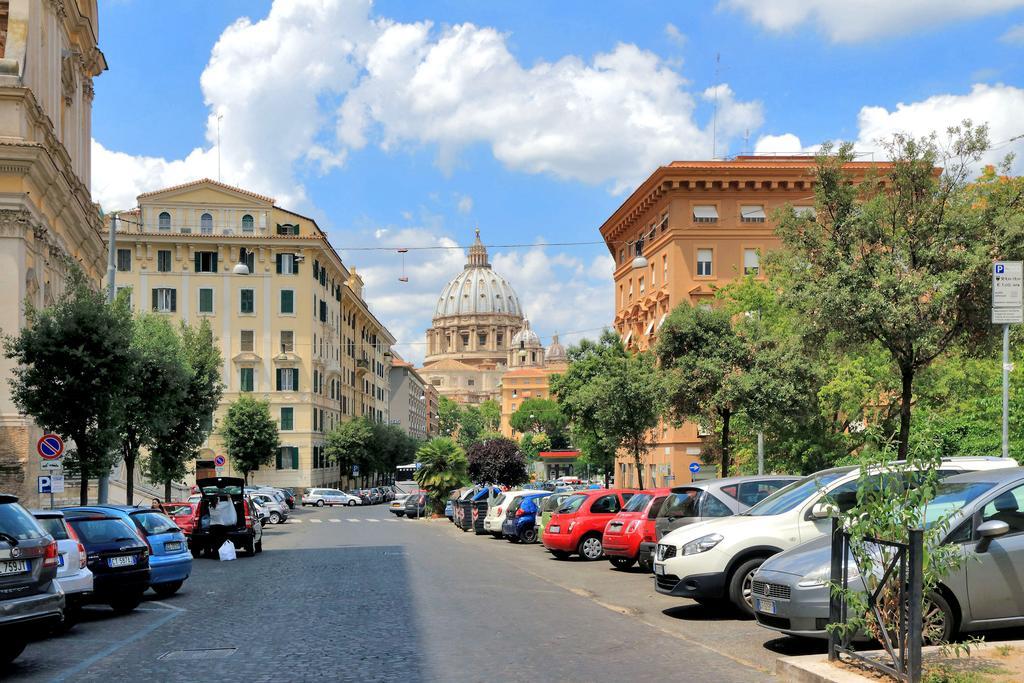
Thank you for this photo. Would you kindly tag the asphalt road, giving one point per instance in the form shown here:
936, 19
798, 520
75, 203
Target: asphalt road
356, 594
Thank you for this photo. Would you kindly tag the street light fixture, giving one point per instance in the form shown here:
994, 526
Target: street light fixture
240, 268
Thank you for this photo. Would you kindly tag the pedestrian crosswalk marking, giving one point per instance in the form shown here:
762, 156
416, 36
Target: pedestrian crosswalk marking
334, 520
351, 519
391, 520
316, 521
373, 520
296, 521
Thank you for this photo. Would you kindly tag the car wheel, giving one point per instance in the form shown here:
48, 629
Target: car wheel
937, 619
275, 518
249, 547
560, 554
72, 614
590, 548
528, 535
166, 590
319, 503
126, 603
351, 503
196, 551
621, 562
259, 546
741, 585
10, 649
645, 564
400, 514
496, 534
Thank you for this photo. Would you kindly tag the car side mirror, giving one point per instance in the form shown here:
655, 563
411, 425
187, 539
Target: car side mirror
990, 530
822, 510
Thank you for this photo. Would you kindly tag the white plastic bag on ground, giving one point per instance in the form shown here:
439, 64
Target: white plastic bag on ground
227, 551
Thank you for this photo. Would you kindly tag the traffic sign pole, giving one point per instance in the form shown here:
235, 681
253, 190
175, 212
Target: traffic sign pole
1007, 309
1006, 391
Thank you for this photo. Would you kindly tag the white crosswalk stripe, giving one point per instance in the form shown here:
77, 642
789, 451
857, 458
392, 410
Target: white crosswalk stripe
334, 520
373, 520
316, 521
351, 519
391, 520
296, 521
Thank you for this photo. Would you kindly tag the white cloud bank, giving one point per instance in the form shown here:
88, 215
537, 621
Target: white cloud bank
996, 105
299, 89
851, 21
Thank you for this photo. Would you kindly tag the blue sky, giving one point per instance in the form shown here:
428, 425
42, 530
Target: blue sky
409, 123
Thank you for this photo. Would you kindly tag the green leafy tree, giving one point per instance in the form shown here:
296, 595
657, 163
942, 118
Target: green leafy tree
442, 467
471, 426
541, 415
490, 416
533, 443
572, 389
350, 444
900, 258
497, 461
72, 359
393, 447
448, 416
158, 383
250, 434
192, 417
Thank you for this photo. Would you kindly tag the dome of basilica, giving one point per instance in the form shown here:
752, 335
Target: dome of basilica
525, 337
478, 289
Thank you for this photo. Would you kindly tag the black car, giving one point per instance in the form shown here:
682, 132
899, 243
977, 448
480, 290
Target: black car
223, 515
289, 497
416, 505
117, 557
30, 601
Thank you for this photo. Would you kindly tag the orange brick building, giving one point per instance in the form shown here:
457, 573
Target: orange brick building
699, 224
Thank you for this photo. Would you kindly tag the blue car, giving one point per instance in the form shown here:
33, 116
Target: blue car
170, 561
520, 523
449, 509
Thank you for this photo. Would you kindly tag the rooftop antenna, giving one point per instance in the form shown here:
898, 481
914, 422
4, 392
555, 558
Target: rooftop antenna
746, 141
219, 117
404, 277
714, 117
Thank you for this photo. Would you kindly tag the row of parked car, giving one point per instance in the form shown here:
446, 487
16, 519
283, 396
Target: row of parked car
55, 562
762, 544
372, 496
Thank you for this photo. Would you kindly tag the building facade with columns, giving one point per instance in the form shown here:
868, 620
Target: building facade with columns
289, 316
49, 57
476, 316
699, 225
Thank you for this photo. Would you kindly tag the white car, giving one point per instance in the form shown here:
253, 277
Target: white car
73, 577
322, 497
715, 560
496, 510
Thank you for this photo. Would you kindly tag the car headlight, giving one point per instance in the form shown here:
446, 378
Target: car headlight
822, 576
702, 544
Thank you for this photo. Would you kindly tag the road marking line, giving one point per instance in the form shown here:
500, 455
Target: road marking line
393, 519
296, 521
352, 519
316, 521
334, 519
373, 520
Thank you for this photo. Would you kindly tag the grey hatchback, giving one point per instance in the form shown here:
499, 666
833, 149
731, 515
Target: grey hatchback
30, 600
791, 592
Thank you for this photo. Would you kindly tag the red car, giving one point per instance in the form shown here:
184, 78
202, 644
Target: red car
578, 525
183, 514
631, 527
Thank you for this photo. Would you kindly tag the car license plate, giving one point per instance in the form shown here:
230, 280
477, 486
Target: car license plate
172, 545
765, 606
555, 529
659, 569
122, 561
13, 566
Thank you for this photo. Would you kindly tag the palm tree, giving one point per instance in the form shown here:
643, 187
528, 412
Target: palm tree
442, 467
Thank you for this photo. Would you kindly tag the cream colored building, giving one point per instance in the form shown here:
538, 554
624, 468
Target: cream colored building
289, 316
530, 376
476, 317
48, 59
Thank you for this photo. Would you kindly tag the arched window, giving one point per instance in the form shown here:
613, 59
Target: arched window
247, 223
206, 224
164, 220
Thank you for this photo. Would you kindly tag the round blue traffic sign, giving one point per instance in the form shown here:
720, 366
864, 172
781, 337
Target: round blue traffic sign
695, 467
219, 461
50, 446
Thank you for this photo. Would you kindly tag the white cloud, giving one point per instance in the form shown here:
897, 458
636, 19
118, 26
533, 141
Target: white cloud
1014, 35
849, 21
674, 34
996, 105
465, 204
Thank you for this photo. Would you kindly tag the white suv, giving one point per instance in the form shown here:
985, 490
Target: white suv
496, 510
321, 497
715, 560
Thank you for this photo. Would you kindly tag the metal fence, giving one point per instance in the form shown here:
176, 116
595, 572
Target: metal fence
902, 658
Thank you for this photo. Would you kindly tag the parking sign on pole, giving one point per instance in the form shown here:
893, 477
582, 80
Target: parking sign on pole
1007, 309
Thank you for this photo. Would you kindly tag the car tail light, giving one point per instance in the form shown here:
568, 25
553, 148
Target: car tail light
50, 557
520, 512
497, 512
632, 526
572, 524
81, 555
248, 514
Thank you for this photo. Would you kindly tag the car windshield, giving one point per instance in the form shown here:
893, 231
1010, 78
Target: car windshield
951, 497
54, 526
16, 521
572, 503
638, 502
682, 504
154, 523
788, 497
102, 530
229, 490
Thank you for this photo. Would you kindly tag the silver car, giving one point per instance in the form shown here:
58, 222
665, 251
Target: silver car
277, 510
791, 589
